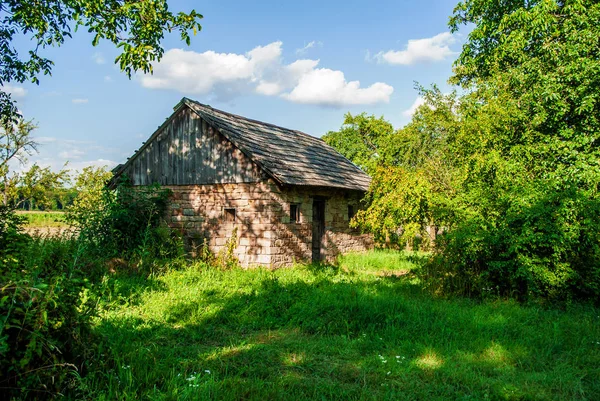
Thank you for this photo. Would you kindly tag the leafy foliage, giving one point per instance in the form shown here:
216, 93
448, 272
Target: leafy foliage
47, 296
414, 179
45, 311
35, 187
530, 222
124, 222
362, 139
137, 28
12, 238
509, 170
15, 145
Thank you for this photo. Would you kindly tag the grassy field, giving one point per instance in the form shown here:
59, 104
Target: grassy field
334, 333
38, 219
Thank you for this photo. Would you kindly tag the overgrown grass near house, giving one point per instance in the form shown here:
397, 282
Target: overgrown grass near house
321, 332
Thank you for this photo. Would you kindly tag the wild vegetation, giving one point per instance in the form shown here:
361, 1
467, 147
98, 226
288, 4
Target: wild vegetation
49, 294
365, 329
506, 168
324, 332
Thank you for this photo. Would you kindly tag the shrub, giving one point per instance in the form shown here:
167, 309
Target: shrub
46, 311
12, 238
126, 222
226, 258
545, 244
47, 297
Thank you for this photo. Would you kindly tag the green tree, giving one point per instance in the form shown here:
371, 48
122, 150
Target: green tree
37, 185
16, 144
415, 177
510, 168
135, 27
530, 142
91, 199
362, 139
546, 56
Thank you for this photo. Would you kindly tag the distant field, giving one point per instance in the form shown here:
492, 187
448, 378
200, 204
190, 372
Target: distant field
44, 219
362, 331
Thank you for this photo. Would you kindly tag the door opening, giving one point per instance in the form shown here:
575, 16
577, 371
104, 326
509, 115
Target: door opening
318, 229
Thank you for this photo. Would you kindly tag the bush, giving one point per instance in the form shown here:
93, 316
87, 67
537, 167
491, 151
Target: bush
47, 297
12, 238
126, 222
545, 244
46, 311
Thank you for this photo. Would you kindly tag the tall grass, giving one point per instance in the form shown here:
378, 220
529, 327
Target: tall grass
322, 332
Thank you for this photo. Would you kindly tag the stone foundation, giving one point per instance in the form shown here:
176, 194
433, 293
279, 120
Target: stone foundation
265, 234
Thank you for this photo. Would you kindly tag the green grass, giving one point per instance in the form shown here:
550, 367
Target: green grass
344, 333
44, 219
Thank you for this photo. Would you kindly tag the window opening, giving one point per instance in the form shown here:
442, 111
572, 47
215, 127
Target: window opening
294, 213
229, 214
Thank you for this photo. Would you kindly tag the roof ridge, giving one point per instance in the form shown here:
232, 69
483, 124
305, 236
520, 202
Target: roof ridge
256, 121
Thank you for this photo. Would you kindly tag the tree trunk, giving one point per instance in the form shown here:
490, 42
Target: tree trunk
4, 192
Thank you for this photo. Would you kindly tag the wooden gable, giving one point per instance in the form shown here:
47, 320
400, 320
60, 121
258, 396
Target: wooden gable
186, 150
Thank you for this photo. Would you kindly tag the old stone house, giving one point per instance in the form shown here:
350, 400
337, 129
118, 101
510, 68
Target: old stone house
289, 195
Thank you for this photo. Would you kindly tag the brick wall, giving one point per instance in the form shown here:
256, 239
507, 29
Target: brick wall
266, 236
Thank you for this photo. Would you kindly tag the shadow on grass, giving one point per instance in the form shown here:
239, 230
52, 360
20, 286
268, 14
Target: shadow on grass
127, 288
340, 337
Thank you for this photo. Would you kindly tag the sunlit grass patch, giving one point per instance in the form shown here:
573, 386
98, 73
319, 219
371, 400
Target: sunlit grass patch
44, 219
322, 332
430, 360
382, 261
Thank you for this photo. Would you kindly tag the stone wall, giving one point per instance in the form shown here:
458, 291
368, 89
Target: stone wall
295, 239
198, 211
266, 236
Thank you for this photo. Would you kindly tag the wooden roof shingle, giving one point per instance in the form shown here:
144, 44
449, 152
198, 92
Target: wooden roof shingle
291, 157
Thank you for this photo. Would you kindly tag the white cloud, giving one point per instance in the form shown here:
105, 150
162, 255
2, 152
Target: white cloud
98, 58
79, 101
436, 48
44, 139
107, 78
55, 152
15, 91
191, 72
262, 71
71, 154
51, 94
310, 45
419, 101
56, 164
80, 165
330, 88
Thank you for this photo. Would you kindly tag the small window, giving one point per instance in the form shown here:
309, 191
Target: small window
294, 213
229, 214
351, 211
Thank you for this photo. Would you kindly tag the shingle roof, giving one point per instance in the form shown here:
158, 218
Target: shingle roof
290, 157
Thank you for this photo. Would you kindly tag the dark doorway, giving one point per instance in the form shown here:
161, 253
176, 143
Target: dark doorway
318, 229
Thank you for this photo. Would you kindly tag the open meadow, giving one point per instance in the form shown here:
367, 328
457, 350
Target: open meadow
362, 330
44, 222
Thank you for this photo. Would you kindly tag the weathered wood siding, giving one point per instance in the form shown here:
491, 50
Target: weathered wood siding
188, 151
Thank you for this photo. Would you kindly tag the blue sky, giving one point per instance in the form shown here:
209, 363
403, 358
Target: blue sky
301, 65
